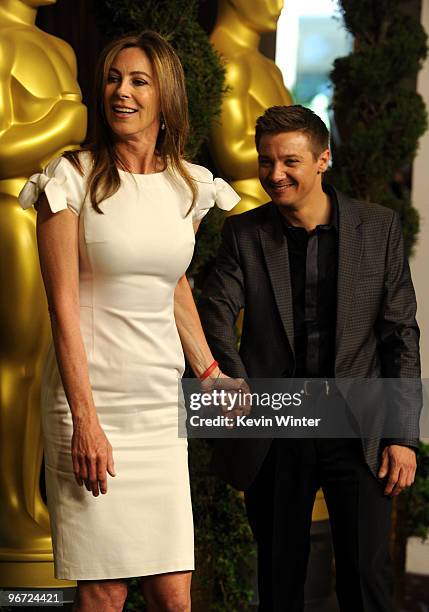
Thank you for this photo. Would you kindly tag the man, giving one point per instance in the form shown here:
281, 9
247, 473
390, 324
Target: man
326, 291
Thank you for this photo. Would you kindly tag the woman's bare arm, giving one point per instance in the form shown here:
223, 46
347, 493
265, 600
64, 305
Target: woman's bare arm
191, 333
57, 237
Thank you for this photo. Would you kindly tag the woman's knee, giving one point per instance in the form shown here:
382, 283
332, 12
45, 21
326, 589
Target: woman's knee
170, 592
169, 603
103, 595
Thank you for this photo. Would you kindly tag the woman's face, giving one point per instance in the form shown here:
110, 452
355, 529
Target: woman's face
131, 98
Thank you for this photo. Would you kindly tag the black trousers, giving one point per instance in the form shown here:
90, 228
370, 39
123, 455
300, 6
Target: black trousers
279, 505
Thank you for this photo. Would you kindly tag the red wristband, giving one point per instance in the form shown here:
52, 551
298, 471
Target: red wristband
209, 370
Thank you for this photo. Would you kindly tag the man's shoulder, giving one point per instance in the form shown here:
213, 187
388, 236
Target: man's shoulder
371, 211
368, 212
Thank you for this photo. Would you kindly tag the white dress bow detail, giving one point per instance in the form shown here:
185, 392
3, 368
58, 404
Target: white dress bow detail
48, 183
225, 198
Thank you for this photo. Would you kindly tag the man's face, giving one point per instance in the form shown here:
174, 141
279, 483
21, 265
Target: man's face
288, 170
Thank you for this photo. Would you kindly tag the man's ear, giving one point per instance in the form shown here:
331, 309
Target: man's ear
323, 161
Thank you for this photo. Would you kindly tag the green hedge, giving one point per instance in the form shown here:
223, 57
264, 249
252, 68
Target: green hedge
378, 114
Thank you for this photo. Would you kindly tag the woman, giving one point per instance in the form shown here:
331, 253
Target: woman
116, 233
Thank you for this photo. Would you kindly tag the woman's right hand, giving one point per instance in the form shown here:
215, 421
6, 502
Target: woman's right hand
92, 456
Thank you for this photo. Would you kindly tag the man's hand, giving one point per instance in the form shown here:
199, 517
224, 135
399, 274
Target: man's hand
399, 464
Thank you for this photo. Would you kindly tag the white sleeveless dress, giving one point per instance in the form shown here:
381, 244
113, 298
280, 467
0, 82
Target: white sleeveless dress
130, 259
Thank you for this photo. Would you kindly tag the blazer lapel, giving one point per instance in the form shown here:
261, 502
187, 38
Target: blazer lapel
274, 246
349, 256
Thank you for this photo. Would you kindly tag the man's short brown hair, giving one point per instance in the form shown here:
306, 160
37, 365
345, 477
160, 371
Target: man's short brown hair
294, 118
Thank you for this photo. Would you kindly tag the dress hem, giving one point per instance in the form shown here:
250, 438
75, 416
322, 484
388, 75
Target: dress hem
136, 572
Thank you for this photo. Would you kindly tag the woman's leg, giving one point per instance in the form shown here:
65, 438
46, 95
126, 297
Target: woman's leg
167, 592
100, 595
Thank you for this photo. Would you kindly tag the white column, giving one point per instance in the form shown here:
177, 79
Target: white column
420, 195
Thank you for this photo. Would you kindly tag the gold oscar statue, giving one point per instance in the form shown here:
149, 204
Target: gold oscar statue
41, 114
254, 83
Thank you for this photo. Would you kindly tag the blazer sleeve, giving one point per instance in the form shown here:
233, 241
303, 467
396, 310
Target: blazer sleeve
398, 338
221, 301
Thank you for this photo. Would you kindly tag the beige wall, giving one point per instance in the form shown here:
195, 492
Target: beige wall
417, 552
420, 261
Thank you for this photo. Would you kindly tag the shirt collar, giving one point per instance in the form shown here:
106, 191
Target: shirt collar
330, 191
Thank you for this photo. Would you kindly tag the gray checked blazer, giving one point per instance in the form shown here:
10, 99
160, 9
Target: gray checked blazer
376, 331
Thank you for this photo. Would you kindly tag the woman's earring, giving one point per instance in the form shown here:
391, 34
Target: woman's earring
162, 125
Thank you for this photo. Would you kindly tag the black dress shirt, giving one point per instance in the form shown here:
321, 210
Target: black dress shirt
313, 264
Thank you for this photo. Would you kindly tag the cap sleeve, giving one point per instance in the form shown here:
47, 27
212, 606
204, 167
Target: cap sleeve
61, 183
210, 192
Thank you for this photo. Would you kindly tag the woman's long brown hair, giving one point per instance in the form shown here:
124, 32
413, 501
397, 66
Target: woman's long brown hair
104, 180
